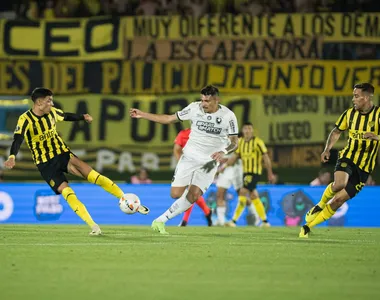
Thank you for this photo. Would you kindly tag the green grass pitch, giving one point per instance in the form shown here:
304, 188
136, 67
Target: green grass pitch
63, 262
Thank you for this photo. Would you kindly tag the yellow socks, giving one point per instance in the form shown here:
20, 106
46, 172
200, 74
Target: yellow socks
328, 194
324, 215
105, 183
77, 206
259, 206
239, 208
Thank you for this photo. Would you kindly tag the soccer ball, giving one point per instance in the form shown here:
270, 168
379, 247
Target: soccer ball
129, 203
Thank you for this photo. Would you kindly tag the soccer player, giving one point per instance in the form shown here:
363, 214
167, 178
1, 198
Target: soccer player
355, 162
228, 176
213, 134
252, 151
179, 143
53, 157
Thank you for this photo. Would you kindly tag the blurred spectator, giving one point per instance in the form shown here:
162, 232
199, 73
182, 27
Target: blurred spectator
1, 176
196, 8
141, 177
324, 178
148, 8
370, 181
252, 7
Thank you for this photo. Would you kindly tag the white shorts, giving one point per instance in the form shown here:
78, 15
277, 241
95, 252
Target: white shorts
190, 172
232, 176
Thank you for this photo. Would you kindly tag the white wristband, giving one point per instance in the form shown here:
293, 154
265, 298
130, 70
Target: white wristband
225, 151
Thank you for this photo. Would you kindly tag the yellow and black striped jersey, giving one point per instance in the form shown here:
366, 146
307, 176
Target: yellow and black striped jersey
41, 135
251, 153
360, 151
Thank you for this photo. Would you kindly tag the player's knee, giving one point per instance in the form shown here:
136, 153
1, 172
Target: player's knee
338, 186
337, 202
175, 194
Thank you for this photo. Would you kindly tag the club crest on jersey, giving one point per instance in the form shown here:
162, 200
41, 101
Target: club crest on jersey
218, 120
208, 127
371, 124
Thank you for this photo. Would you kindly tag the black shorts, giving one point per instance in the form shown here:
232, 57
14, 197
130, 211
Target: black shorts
250, 181
357, 177
53, 170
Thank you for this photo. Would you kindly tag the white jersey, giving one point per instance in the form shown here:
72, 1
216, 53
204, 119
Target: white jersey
209, 132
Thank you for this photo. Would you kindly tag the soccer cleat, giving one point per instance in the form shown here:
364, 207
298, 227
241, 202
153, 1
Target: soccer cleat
182, 224
95, 230
159, 226
230, 224
209, 219
143, 209
304, 233
265, 224
312, 213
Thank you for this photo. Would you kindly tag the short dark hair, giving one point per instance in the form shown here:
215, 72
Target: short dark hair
210, 90
365, 87
247, 124
40, 93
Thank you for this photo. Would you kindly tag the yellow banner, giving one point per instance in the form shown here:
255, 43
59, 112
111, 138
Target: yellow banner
360, 27
329, 78
71, 39
187, 37
294, 78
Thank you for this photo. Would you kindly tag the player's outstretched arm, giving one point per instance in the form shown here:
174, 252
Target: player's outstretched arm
16, 144
268, 166
163, 119
331, 140
71, 117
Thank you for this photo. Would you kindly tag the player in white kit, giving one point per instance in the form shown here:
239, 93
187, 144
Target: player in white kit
230, 176
214, 133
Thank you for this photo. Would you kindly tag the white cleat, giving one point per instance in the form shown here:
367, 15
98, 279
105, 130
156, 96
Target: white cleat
95, 230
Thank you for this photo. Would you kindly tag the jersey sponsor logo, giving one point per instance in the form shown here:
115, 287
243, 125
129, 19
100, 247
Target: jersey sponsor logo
47, 135
208, 127
357, 135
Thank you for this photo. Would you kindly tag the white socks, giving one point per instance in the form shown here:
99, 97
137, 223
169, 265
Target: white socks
178, 207
221, 214
252, 210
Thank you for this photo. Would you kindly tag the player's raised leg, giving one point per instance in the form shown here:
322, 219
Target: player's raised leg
340, 181
78, 207
327, 212
82, 169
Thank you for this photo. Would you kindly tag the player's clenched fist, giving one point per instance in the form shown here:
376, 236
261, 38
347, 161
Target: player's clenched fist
10, 163
135, 113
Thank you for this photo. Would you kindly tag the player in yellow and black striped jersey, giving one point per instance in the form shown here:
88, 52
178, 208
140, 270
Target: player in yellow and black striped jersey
53, 157
252, 151
355, 162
